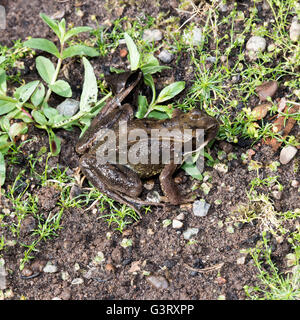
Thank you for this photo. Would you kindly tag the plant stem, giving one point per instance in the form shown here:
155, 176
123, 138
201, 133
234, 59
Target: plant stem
59, 62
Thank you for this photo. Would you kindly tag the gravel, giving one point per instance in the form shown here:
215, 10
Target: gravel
165, 56
68, 108
152, 35
190, 232
200, 208
287, 154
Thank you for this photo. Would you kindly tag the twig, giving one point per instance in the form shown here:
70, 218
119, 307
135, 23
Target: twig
217, 266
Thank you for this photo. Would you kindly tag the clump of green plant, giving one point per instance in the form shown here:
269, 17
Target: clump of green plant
273, 284
30, 101
150, 65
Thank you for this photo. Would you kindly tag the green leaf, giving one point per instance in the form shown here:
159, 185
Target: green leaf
142, 107
39, 118
148, 79
17, 129
4, 124
54, 143
2, 59
158, 115
50, 112
80, 50
151, 65
148, 69
62, 28
192, 170
90, 90
62, 88
171, 91
42, 44
134, 55
166, 109
76, 31
23, 93
2, 81
45, 68
4, 143
38, 95
2, 169
6, 107
52, 24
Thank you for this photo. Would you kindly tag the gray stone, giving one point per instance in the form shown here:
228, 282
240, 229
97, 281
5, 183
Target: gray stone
152, 35
295, 30
176, 224
77, 281
190, 232
2, 18
68, 108
3, 274
287, 154
158, 282
153, 196
165, 56
256, 43
277, 194
50, 268
200, 208
223, 8
194, 38
211, 59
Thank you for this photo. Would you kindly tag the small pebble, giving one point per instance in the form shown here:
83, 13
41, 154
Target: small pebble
195, 38
295, 30
152, 35
220, 280
3, 274
295, 183
158, 282
180, 216
223, 8
75, 191
149, 185
261, 111
28, 225
38, 266
77, 281
123, 53
153, 196
2, 18
225, 146
110, 268
27, 272
190, 232
241, 260
176, 224
165, 56
277, 194
287, 154
50, 268
221, 167
267, 89
68, 108
200, 208
117, 255
211, 59
256, 43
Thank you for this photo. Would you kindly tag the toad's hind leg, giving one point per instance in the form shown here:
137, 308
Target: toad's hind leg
113, 180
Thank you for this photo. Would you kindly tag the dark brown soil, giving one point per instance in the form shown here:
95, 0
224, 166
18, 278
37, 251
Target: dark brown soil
157, 250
